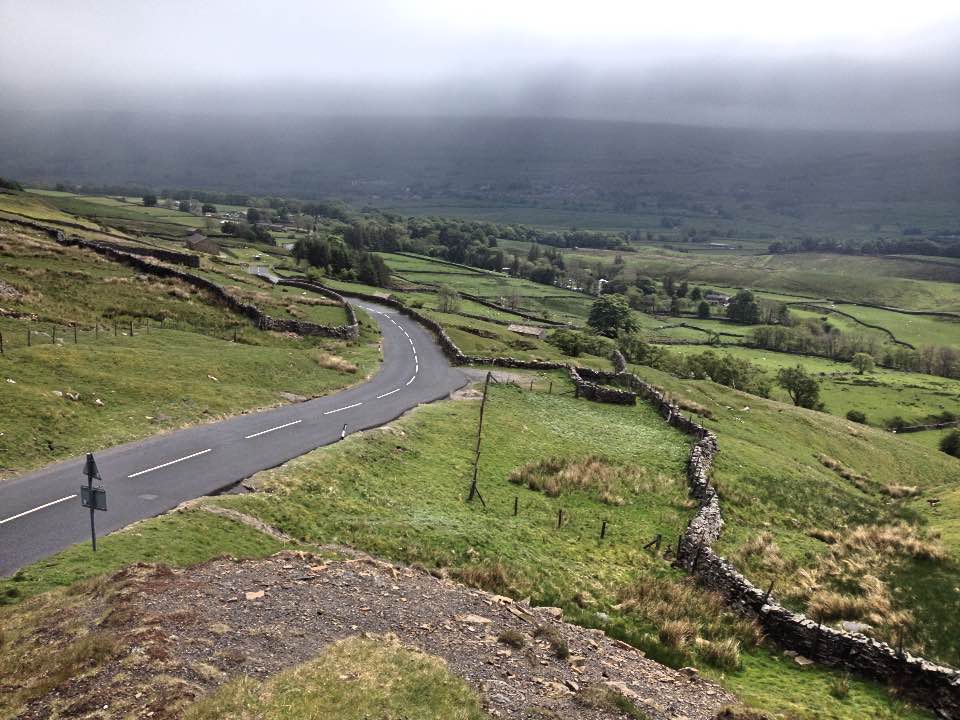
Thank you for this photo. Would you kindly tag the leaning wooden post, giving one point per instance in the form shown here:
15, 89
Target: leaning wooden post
559, 518
766, 595
474, 491
53, 335
603, 530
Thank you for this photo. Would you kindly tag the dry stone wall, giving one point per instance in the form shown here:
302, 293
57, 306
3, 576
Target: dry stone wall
926, 682
261, 319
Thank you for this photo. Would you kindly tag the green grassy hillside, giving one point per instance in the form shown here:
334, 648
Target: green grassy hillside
67, 393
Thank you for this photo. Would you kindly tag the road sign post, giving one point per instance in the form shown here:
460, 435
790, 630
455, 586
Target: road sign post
92, 497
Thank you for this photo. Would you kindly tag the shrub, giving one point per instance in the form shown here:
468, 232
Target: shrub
513, 638
950, 443
896, 424
604, 697
722, 654
558, 645
857, 416
677, 634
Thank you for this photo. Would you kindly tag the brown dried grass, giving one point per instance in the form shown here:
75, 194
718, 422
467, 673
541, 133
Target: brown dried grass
334, 362
555, 475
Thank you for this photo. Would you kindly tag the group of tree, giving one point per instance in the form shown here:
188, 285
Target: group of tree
937, 243
248, 232
814, 336
333, 257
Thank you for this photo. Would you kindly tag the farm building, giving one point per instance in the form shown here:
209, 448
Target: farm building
717, 299
198, 242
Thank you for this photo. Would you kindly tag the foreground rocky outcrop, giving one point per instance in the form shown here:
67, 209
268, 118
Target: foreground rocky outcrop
180, 633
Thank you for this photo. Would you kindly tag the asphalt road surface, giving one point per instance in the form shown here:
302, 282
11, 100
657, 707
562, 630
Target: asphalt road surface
40, 513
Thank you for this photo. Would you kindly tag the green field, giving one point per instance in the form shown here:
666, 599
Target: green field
772, 480
157, 380
399, 492
894, 282
881, 394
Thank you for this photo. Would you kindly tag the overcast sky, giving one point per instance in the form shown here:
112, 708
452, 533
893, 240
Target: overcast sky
864, 64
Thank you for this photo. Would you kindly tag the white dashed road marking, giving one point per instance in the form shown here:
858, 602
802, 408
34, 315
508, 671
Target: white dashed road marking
38, 507
388, 393
172, 462
331, 412
278, 427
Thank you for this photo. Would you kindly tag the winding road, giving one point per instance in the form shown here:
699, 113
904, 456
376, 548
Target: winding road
40, 513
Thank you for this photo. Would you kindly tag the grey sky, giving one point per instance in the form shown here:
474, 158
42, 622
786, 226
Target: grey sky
838, 63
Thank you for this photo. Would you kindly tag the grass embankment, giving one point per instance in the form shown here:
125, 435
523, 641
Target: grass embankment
66, 398
399, 492
837, 515
353, 679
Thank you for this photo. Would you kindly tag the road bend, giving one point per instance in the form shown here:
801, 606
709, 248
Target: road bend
40, 513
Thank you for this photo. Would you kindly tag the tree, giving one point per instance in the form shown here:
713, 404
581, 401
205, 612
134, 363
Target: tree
610, 315
696, 294
703, 310
863, 362
448, 299
149, 200
744, 309
253, 216
950, 443
675, 307
783, 316
857, 416
801, 386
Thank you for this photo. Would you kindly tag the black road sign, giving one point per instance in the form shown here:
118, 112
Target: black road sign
93, 498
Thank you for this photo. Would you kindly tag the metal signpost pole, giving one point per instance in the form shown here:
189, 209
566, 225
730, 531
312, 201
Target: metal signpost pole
92, 497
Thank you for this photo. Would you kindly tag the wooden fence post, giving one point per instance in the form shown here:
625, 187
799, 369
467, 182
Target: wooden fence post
516, 506
559, 518
29, 332
603, 530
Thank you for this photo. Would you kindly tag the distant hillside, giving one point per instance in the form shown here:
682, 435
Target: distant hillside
617, 167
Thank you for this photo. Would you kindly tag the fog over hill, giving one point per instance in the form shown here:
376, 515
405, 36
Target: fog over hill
505, 160
499, 102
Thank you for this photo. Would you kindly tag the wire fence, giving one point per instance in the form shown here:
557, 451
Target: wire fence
20, 334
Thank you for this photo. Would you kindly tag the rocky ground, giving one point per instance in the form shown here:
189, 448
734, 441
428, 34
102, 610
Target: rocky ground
181, 633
